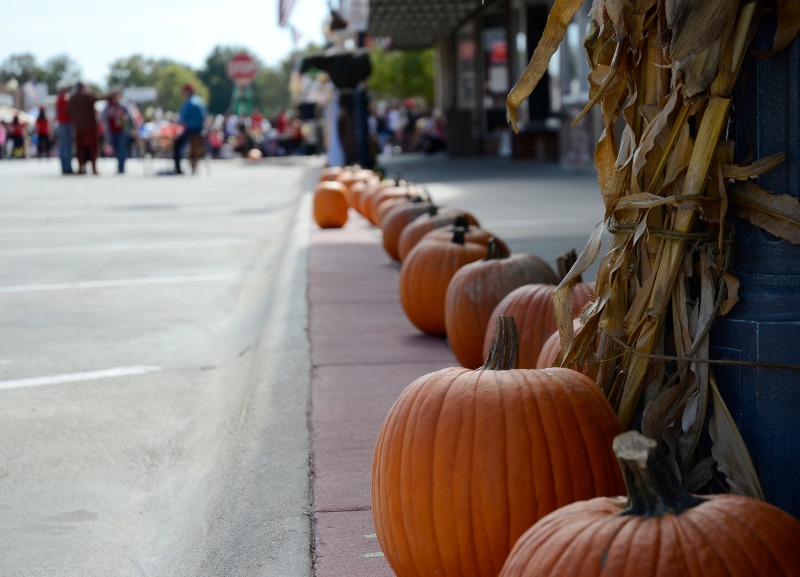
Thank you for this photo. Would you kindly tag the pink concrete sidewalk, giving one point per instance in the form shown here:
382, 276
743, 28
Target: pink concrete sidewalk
364, 352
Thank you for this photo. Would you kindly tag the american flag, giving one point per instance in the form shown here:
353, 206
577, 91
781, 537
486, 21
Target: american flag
284, 9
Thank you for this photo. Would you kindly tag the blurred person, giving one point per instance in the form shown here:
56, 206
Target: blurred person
42, 134
87, 130
119, 124
17, 133
191, 118
3, 137
64, 130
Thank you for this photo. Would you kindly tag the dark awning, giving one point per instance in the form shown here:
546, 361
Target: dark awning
413, 24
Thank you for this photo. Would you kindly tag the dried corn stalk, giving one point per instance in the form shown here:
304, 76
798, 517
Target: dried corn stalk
666, 69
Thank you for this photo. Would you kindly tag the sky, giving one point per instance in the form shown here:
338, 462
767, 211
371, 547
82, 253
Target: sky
96, 33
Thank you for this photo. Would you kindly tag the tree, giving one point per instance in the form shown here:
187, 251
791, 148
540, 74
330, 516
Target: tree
23, 67
168, 77
215, 77
397, 74
135, 70
60, 69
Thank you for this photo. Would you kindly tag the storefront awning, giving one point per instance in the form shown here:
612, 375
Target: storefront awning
414, 24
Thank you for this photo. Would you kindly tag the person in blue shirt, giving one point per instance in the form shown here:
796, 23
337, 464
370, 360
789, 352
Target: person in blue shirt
191, 117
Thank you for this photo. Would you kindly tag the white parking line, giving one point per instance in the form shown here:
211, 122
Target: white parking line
75, 377
121, 247
119, 282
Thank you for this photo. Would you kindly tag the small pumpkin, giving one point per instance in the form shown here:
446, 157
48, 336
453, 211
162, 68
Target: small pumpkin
390, 194
467, 460
330, 204
420, 226
425, 275
659, 530
474, 292
532, 308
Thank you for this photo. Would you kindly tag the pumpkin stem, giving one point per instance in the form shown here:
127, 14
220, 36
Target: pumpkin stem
565, 263
494, 252
461, 221
504, 351
458, 235
653, 488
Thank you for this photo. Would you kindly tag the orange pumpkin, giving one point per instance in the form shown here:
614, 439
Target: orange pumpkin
532, 308
474, 292
471, 234
389, 194
422, 225
659, 530
375, 187
397, 218
467, 460
330, 204
425, 275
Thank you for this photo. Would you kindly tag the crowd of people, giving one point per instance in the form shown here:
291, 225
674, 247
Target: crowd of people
81, 130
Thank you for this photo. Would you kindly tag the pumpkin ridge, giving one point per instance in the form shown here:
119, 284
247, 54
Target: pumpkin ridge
571, 421
452, 388
482, 529
604, 477
565, 559
705, 517
694, 565
397, 511
547, 445
698, 536
430, 404
763, 520
556, 435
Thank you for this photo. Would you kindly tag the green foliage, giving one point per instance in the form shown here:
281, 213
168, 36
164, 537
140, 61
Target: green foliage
269, 92
397, 74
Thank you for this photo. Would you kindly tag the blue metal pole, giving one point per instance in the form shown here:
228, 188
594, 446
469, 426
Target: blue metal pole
764, 326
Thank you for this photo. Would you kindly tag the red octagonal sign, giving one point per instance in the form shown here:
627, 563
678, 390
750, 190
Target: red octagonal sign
242, 69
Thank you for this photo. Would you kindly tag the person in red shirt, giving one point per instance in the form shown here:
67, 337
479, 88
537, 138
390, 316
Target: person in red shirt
17, 138
42, 134
64, 130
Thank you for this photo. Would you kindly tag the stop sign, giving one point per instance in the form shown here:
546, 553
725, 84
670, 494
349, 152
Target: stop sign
242, 69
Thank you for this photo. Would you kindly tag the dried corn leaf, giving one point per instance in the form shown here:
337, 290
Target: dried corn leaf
729, 450
562, 296
788, 24
655, 128
701, 25
753, 169
778, 214
732, 288
560, 15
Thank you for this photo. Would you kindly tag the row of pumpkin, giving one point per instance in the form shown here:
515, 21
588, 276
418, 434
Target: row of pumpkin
503, 468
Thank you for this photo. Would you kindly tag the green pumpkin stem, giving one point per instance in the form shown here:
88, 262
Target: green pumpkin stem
504, 351
653, 488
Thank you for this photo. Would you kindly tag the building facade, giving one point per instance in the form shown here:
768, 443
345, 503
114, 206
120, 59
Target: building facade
481, 51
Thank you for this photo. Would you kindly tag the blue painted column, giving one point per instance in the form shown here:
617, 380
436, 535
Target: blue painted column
764, 326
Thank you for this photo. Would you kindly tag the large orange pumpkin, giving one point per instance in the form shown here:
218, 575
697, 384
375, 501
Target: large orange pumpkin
425, 223
477, 288
532, 308
660, 530
330, 204
425, 275
467, 460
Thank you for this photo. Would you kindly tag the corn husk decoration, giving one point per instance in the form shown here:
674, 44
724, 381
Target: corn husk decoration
664, 70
